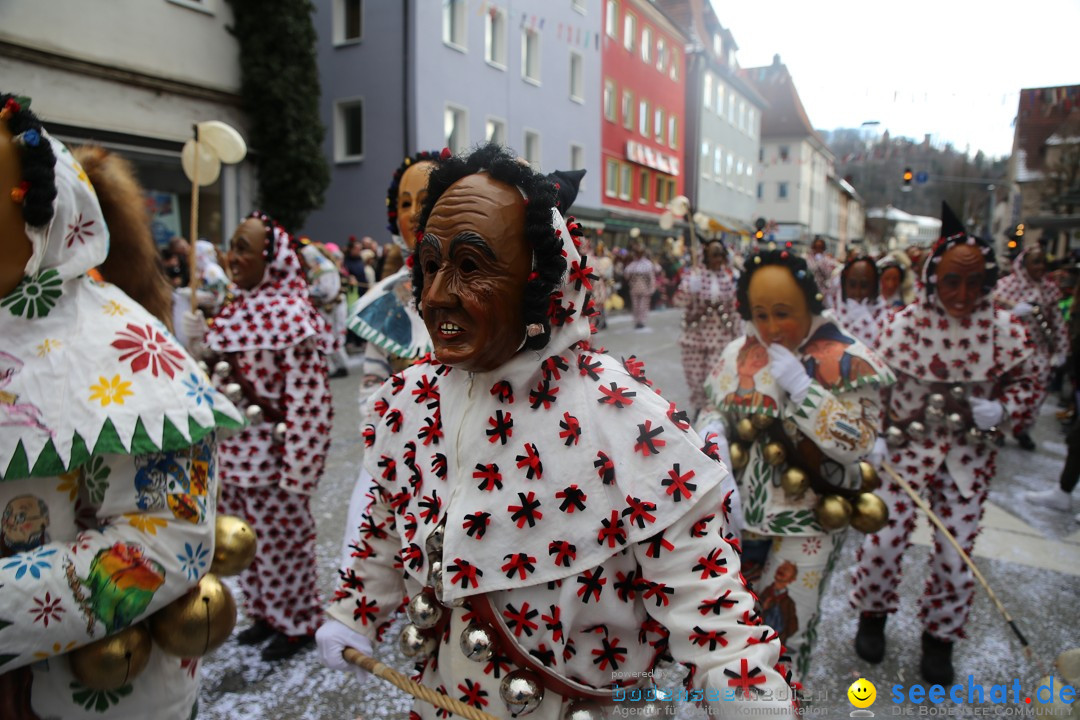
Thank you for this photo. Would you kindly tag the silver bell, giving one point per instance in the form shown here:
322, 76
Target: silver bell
434, 572
955, 422
423, 610
916, 431
937, 400
278, 433
254, 414
935, 415
234, 392
222, 369
521, 692
204, 367
958, 393
477, 642
435, 540
414, 642
975, 434
584, 710
894, 437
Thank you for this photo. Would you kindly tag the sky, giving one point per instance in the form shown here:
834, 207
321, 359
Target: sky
951, 68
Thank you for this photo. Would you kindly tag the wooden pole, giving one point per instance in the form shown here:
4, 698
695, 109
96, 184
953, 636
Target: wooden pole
193, 272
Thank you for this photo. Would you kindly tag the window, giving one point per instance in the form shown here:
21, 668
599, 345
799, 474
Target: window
532, 148
611, 19
785, 153
731, 108
761, 154
348, 21
658, 124
739, 172
730, 169
706, 153
643, 118
578, 5
453, 24
661, 54
577, 79
644, 186
629, 31
577, 157
706, 94
455, 128
611, 178
628, 109
760, 190
673, 65
495, 37
672, 132
665, 190
717, 45
646, 45
609, 100
720, 94
781, 190
626, 176
530, 55
742, 115
718, 163
495, 131
349, 130
751, 122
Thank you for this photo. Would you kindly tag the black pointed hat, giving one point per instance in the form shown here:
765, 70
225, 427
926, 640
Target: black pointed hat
950, 224
567, 182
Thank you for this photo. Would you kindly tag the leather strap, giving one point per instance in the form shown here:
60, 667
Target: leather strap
808, 457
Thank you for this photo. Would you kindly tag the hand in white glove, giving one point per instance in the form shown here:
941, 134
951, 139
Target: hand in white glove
1021, 309
789, 372
1057, 360
693, 283
878, 453
194, 327
856, 309
332, 639
986, 413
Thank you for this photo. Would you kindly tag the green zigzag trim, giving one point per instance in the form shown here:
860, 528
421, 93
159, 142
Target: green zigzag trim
49, 463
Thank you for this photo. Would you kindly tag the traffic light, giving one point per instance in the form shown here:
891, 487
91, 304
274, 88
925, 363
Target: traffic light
759, 235
908, 176
1020, 230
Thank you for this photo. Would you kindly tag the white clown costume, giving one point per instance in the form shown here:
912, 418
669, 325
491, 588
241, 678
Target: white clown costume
841, 417
576, 500
108, 472
274, 342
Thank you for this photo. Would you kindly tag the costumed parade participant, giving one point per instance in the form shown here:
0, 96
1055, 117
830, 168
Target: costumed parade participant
640, 274
1033, 297
860, 308
710, 319
268, 343
824, 267
108, 472
386, 315
895, 281
963, 368
324, 289
556, 524
795, 405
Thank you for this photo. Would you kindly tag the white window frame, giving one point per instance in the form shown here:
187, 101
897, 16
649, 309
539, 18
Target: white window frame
462, 18
718, 163
611, 19
673, 64
627, 107
658, 124
609, 100
782, 191
577, 62
646, 45
706, 159
707, 91
644, 118
577, 160
629, 30
463, 135
626, 181
673, 131
339, 24
661, 54
499, 124
644, 179
496, 37
611, 178
340, 106
720, 95
527, 135
526, 35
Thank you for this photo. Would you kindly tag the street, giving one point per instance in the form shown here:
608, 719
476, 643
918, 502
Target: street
1031, 557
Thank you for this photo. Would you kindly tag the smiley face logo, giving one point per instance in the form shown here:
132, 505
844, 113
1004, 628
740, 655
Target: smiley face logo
862, 693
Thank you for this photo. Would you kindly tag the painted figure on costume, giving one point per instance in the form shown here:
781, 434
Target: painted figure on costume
778, 609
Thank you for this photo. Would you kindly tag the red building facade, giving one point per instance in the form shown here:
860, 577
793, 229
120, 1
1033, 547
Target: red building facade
643, 103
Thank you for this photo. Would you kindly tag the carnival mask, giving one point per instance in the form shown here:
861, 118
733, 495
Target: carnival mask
247, 254
778, 307
859, 281
412, 190
960, 276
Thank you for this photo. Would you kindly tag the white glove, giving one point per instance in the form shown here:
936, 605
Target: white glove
716, 429
1021, 309
856, 309
693, 283
1057, 360
986, 413
332, 639
789, 372
194, 327
878, 454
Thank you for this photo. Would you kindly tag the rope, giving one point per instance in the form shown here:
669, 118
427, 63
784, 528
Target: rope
414, 688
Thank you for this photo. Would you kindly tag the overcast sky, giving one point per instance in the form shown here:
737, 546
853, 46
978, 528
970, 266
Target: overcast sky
952, 68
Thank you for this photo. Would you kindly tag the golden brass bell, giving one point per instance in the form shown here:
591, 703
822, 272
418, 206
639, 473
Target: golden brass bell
745, 429
112, 662
795, 482
197, 622
234, 546
870, 513
870, 479
761, 421
833, 512
774, 454
739, 456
